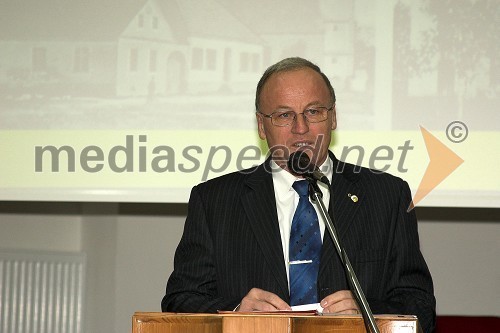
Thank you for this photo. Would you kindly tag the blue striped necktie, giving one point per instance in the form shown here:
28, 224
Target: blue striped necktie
305, 246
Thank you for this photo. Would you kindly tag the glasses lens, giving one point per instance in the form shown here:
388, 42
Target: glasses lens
316, 115
283, 118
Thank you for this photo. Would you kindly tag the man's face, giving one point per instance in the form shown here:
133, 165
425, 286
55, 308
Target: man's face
296, 90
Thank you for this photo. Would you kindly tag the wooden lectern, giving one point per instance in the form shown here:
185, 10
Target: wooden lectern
157, 322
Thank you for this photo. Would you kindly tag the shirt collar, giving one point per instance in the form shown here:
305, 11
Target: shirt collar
283, 180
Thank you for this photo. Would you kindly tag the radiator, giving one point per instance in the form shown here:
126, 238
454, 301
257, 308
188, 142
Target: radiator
41, 292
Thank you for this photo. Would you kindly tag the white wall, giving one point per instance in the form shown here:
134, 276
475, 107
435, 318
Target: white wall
145, 248
130, 251
38, 226
99, 239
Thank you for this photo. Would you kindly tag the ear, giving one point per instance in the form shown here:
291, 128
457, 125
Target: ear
260, 126
334, 118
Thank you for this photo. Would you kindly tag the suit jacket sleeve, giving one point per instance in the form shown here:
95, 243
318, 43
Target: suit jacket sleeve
409, 288
192, 287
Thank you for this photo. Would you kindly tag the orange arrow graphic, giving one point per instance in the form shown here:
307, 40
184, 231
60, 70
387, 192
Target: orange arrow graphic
442, 162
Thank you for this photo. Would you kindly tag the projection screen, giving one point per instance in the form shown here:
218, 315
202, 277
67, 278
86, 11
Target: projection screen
138, 101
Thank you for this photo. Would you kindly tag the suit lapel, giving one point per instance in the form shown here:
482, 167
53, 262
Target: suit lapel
260, 206
345, 199
346, 196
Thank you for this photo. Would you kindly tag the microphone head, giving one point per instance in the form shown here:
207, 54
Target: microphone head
299, 163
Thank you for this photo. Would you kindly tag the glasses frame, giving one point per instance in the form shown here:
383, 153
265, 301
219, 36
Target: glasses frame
296, 114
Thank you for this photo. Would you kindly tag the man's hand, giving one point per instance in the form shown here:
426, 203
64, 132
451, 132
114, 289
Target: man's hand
340, 302
261, 300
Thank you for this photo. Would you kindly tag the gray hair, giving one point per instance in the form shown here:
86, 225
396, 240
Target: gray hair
287, 65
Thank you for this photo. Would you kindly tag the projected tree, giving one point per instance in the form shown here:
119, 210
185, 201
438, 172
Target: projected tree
466, 41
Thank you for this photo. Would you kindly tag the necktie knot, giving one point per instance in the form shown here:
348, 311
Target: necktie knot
301, 187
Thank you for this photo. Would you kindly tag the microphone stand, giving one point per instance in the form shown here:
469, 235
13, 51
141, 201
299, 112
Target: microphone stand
316, 195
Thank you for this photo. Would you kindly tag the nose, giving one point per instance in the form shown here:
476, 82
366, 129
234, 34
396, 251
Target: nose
300, 125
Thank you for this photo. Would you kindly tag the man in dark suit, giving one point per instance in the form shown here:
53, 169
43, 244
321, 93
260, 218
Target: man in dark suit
234, 250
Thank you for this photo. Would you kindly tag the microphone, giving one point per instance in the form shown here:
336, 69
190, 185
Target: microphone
299, 164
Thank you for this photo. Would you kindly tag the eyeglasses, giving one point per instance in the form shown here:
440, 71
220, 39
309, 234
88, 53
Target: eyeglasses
282, 118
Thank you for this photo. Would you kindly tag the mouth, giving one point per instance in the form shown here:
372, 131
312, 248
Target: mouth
303, 144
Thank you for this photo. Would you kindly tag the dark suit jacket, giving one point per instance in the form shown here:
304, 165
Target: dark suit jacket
231, 243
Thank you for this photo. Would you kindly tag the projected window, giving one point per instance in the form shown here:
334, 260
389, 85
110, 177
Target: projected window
244, 62
211, 59
204, 59
152, 60
249, 62
134, 59
255, 63
197, 58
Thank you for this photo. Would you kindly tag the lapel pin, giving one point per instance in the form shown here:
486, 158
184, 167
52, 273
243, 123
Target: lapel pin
353, 197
